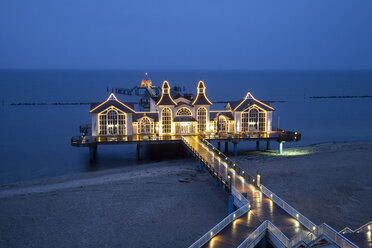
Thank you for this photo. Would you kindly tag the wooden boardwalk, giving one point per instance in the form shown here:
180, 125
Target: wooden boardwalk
262, 208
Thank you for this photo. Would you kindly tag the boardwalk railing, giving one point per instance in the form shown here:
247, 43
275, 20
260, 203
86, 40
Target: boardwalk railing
365, 228
332, 234
289, 209
254, 238
239, 196
230, 164
220, 226
323, 229
231, 217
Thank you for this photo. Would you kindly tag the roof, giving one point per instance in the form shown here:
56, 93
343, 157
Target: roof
166, 98
214, 114
183, 118
201, 98
152, 115
111, 101
165, 85
184, 103
247, 102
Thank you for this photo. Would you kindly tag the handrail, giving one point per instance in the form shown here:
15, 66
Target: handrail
220, 226
340, 240
346, 230
239, 196
289, 209
230, 163
249, 242
323, 229
367, 227
252, 240
231, 217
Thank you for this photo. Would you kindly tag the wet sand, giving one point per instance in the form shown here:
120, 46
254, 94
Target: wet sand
172, 204
329, 182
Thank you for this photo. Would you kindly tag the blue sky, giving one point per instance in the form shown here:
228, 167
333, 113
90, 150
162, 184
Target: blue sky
158, 34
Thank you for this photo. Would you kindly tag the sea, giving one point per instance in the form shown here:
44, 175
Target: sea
36, 125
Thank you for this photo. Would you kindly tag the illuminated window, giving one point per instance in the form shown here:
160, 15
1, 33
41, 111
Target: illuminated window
222, 124
166, 119
145, 126
202, 119
103, 124
122, 124
245, 120
262, 121
183, 112
253, 119
112, 122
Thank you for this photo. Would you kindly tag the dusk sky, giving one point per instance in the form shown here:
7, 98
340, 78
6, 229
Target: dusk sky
158, 34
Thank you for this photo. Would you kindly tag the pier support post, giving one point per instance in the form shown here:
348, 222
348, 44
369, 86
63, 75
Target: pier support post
281, 147
235, 148
257, 145
267, 145
139, 152
201, 168
219, 145
231, 203
226, 147
92, 153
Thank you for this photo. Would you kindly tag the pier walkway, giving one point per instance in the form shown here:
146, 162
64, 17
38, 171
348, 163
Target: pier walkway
265, 211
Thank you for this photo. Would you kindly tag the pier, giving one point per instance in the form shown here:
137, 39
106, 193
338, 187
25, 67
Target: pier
92, 142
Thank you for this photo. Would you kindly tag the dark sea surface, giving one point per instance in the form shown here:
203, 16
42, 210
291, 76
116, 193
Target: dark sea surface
35, 140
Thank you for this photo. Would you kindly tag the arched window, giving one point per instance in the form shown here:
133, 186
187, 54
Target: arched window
202, 119
166, 119
222, 124
145, 126
183, 112
112, 122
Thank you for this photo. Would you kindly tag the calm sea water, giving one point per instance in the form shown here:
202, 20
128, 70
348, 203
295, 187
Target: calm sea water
35, 140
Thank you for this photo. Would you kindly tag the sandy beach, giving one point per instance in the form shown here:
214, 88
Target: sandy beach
328, 182
171, 203
167, 204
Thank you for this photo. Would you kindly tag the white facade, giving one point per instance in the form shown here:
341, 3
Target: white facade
181, 116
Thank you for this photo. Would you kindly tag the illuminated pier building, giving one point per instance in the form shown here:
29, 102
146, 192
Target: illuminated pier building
181, 115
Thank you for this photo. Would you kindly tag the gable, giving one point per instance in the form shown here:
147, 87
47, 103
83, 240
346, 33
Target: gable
247, 103
115, 103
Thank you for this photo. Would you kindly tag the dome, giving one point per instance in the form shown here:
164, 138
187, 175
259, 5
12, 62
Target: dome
146, 82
